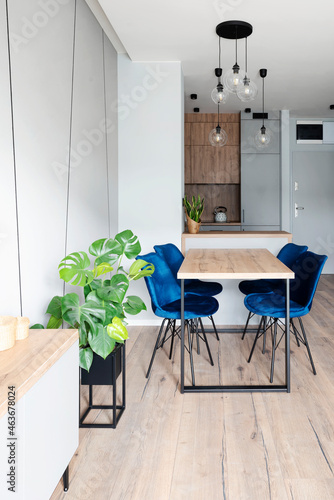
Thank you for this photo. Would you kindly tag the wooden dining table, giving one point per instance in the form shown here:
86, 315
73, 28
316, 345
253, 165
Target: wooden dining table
238, 264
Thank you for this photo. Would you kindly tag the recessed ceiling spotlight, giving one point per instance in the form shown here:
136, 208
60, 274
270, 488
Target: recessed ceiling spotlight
193, 97
248, 110
196, 110
331, 106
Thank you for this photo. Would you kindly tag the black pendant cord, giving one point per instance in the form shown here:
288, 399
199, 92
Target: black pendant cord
219, 57
106, 135
70, 138
14, 160
236, 45
246, 62
218, 116
262, 102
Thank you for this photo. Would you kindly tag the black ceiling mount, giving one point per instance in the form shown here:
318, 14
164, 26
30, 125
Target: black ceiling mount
218, 72
193, 97
248, 110
234, 29
196, 110
331, 106
263, 72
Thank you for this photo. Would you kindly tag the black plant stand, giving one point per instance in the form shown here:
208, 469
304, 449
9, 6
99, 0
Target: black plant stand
115, 370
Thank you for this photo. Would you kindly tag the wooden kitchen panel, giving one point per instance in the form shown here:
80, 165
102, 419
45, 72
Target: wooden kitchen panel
214, 165
199, 134
187, 164
217, 195
211, 117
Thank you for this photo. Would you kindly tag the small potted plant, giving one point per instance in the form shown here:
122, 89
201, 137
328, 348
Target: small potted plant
193, 211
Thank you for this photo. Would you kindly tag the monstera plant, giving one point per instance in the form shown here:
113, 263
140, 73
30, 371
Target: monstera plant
100, 317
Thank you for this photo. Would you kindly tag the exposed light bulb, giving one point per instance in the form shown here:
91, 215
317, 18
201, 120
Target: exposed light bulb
233, 79
248, 91
219, 95
218, 137
263, 138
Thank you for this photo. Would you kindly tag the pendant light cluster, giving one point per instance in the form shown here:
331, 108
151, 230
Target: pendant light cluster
236, 81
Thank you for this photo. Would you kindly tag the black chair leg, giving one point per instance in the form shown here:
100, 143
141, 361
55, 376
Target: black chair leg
264, 334
206, 341
273, 354
197, 337
190, 353
214, 327
307, 345
250, 315
295, 332
256, 337
156, 347
172, 342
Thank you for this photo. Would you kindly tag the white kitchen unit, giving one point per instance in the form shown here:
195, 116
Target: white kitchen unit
231, 301
39, 440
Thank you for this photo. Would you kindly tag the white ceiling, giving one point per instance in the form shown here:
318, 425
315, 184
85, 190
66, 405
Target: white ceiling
293, 39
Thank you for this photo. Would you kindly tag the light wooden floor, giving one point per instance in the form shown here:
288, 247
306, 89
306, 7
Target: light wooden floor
218, 446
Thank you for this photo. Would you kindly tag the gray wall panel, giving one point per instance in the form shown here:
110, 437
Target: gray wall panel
10, 296
41, 69
88, 199
110, 61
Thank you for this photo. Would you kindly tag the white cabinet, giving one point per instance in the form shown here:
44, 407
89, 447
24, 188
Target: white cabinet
46, 417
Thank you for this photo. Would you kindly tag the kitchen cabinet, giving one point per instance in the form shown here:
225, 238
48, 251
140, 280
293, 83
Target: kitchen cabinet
260, 178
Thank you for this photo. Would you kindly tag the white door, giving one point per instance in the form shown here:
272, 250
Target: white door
313, 203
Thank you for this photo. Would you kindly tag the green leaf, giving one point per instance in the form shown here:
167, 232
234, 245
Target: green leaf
129, 243
86, 358
103, 268
83, 335
134, 305
105, 250
112, 309
135, 273
117, 289
54, 308
116, 330
74, 314
74, 269
37, 326
54, 323
93, 285
101, 342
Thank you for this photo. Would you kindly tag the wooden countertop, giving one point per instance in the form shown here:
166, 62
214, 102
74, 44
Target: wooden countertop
25, 363
240, 263
239, 234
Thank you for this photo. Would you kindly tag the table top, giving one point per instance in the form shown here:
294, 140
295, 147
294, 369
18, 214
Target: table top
25, 363
240, 263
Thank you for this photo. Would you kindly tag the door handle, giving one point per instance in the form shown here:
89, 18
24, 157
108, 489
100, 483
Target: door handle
297, 208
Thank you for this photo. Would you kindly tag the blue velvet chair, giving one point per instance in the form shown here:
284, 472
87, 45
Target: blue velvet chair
288, 255
165, 295
307, 269
174, 258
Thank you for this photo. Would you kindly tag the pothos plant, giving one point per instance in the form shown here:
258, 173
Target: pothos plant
100, 319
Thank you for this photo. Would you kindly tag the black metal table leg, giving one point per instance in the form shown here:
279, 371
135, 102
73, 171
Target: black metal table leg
287, 337
182, 336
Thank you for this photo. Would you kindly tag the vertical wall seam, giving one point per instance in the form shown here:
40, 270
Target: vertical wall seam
106, 135
14, 162
70, 139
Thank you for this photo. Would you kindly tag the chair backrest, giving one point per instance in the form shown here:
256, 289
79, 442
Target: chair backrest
172, 256
161, 285
290, 253
307, 269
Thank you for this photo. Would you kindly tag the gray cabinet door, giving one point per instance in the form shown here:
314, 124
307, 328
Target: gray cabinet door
260, 189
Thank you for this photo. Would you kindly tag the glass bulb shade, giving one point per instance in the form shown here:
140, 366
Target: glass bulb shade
233, 80
219, 94
263, 138
218, 138
248, 91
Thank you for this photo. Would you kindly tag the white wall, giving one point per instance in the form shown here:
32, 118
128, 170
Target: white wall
61, 64
150, 151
